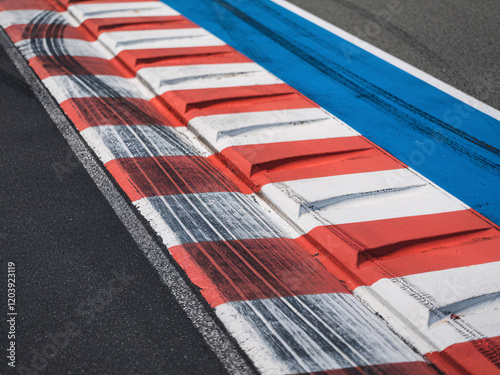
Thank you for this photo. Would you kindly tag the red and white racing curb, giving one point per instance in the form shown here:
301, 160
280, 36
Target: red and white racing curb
202, 140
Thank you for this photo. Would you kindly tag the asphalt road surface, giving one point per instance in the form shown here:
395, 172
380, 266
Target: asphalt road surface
84, 287
456, 41
87, 299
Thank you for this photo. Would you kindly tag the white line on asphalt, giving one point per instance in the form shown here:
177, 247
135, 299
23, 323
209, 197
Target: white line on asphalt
450, 90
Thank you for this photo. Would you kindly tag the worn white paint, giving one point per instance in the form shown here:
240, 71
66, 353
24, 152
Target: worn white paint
219, 216
471, 293
111, 142
450, 90
84, 12
335, 331
236, 129
68, 87
118, 41
340, 199
78, 13
209, 76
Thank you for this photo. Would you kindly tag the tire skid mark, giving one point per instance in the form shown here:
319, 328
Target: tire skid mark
375, 96
193, 205
211, 222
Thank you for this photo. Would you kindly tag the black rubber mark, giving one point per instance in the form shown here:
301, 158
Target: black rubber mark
374, 95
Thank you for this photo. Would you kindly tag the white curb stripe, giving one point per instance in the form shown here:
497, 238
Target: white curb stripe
238, 129
71, 87
84, 12
470, 293
450, 90
118, 41
23, 17
79, 13
65, 47
358, 197
332, 329
193, 218
111, 142
210, 76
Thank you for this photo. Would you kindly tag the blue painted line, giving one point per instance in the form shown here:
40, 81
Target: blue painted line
447, 141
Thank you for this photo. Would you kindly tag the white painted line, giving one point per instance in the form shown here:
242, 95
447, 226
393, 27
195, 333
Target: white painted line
450, 90
238, 129
209, 76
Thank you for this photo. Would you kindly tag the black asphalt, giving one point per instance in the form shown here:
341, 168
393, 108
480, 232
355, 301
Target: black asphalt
87, 300
455, 41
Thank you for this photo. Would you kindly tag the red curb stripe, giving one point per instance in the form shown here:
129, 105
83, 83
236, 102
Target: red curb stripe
407, 245
97, 26
168, 175
68, 3
286, 161
185, 105
41, 31
253, 269
181, 106
90, 29
403, 246
137, 59
128, 62
88, 112
476, 357
33, 5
